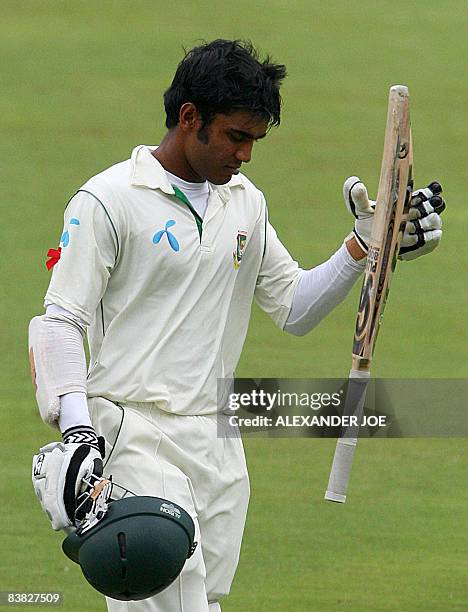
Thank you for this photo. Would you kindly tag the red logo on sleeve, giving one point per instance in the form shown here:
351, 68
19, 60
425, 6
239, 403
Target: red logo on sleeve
54, 255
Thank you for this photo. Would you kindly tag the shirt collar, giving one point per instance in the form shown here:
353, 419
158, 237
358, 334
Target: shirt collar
148, 172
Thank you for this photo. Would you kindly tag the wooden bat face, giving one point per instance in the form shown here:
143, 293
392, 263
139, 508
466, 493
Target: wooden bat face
391, 211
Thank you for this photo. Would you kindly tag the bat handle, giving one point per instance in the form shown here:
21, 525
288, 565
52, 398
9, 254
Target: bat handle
346, 443
341, 470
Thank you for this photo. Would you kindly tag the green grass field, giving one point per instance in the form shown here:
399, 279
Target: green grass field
82, 84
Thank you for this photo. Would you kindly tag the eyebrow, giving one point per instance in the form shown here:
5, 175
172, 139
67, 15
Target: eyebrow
248, 134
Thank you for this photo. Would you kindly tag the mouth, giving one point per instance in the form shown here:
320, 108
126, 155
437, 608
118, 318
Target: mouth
233, 169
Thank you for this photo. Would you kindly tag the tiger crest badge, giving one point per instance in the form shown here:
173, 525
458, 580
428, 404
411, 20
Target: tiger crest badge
240, 248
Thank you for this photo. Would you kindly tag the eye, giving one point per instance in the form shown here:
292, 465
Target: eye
236, 137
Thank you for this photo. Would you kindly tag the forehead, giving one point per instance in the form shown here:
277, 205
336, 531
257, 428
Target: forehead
242, 121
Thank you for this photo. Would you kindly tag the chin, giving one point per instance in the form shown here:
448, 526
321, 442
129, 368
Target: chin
220, 181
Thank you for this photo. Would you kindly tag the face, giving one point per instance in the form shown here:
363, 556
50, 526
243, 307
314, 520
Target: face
217, 152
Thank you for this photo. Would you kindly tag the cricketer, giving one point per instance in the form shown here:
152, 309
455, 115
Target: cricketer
159, 261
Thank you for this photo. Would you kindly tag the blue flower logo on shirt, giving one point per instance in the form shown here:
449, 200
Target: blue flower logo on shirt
65, 237
170, 236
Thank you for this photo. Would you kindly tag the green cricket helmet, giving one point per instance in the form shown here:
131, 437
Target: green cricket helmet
136, 549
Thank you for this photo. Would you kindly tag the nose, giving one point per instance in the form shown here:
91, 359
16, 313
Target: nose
244, 152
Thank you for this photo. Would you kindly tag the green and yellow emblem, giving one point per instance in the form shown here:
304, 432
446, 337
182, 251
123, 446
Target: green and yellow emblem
240, 248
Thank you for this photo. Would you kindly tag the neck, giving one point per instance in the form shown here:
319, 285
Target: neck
170, 154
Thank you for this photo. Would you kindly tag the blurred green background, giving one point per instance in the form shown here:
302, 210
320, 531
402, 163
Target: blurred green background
82, 83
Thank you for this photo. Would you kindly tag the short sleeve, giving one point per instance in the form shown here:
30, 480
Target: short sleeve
88, 252
277, 278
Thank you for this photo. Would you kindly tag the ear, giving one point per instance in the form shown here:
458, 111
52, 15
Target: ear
189, 117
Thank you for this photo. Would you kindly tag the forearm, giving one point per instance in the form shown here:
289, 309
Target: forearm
321, 289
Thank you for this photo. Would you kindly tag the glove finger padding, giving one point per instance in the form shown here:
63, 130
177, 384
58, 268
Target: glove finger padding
431, 222
423, 230
426, 201
357, 202
357, 199
61, 474
421, 244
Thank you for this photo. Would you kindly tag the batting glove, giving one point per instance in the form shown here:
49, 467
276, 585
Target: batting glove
64, 474
423, 229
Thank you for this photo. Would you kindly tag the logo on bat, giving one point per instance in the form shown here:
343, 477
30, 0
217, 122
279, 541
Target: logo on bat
364, 309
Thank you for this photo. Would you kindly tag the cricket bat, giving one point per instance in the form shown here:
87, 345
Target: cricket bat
391, 213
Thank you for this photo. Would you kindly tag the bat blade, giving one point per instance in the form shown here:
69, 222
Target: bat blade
391, 212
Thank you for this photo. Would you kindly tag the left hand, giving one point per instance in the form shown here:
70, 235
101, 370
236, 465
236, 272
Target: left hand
423, 229
63, 474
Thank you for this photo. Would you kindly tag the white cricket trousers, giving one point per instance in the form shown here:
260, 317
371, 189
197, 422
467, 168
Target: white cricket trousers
184, 460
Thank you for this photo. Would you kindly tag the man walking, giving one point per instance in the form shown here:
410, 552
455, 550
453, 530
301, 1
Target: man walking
160, 259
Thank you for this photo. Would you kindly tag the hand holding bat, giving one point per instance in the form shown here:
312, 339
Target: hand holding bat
423, 230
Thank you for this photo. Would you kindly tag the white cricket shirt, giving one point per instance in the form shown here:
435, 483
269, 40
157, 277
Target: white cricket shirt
166, 295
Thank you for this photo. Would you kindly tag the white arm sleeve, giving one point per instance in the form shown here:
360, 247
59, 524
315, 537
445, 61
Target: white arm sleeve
73, 406
73, 411
59, 367
321, 289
